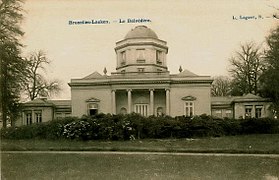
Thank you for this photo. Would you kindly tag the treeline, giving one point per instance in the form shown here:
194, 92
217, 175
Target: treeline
134, 126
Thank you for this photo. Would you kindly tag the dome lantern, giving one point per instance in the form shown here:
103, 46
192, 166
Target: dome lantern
141, 51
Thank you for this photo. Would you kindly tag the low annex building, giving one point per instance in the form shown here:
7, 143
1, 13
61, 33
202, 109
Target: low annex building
140, 84
240, 107
43, 110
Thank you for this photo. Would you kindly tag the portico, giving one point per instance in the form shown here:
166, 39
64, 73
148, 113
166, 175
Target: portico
143, 101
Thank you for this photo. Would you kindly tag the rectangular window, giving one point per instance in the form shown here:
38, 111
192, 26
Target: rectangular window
258, 111
140, 69
141, 109
189, 108
67, 114
123, 58
92, 109
218, 113
228, 113
140, 54
38, 116
159, 57
59, 115
248, 111
28, 116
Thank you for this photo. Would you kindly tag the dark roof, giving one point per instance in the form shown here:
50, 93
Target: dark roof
222, 100
250, 98
60, 102
94, 75
38, 102
187, 73
234, 99
48, 103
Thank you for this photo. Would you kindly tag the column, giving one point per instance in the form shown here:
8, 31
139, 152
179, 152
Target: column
113, 102
129, 101
167, 102
33, 116
151, 111
23, 118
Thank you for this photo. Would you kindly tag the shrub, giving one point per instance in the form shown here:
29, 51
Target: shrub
259, 126
125, 127
77, 130
47, 130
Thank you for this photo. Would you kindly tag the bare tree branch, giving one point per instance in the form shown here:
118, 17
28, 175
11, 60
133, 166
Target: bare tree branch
37, 84
246, 68
221, 86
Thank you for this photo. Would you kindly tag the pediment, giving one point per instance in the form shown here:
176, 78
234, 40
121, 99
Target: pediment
94, 75
93, 100
187, 73
189, 98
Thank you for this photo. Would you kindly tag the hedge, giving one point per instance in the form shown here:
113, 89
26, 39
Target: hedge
135, 126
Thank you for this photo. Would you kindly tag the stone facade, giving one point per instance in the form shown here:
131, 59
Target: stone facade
141, 83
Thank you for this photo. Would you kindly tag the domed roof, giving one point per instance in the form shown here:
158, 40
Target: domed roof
141, 32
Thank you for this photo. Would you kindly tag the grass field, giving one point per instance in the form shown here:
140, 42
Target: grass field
264, 143
115, 166
142, 166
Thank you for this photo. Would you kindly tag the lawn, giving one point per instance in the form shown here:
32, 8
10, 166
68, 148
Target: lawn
136, 166
142, 166
264, 143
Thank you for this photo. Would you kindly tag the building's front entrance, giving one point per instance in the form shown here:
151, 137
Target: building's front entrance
145, 102
142, 109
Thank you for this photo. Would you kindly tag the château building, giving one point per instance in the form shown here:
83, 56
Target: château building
142, 84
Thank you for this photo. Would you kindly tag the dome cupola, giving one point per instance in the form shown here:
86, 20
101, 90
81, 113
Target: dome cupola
141, 32
141, 51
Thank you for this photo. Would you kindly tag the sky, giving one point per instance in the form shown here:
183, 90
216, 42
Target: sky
201, 35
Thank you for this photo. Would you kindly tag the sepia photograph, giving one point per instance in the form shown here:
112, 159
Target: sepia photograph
182, 89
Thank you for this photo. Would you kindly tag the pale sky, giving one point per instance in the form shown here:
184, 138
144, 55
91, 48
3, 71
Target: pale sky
201, 35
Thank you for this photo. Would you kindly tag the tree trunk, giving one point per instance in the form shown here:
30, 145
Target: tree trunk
4, 93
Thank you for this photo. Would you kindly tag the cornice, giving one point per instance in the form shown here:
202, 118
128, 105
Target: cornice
141, 64
139, 81
141, 38
140, 44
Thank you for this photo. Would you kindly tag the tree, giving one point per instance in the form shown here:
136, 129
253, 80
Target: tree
247, 66
221, 86
37, 85
270, 78
12, 71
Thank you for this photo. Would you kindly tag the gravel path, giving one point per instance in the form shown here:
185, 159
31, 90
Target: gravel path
140, 153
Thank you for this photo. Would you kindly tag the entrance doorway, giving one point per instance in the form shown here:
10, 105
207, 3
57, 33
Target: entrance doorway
141, 109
